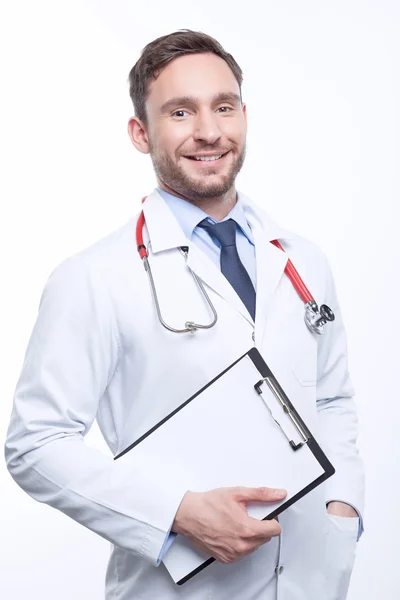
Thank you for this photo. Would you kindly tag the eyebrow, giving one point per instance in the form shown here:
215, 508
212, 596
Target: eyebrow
191, 100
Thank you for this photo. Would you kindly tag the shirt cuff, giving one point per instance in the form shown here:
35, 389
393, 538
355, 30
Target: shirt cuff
169, 540
360, 519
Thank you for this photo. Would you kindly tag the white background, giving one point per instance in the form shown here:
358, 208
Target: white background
323, 93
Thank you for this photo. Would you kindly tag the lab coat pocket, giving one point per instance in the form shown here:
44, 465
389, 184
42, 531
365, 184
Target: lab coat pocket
304, 362
305, 370
341, 545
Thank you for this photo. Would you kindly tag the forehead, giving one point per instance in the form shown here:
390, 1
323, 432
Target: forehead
199, 75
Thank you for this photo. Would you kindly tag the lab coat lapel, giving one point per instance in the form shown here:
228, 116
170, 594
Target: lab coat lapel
270, 261
211, 275
163, 230
165, 233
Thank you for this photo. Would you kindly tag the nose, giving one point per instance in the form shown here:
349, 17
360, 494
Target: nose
206, 127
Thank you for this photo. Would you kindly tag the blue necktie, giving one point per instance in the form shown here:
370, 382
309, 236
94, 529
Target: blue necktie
231, 265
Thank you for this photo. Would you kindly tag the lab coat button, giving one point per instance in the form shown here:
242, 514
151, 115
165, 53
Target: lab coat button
253, 335
279, 570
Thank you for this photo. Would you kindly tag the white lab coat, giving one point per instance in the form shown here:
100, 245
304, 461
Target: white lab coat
97, 350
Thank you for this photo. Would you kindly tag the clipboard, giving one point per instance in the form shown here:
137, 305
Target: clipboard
239, 429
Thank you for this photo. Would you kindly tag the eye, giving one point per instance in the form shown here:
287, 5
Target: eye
178, 113
225, 108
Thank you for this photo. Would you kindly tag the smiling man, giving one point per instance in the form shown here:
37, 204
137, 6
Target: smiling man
99, 350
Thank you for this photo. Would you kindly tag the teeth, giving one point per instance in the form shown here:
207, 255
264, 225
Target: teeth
205, 158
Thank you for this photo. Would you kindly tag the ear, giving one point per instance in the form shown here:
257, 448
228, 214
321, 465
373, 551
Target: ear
138, 134
244, 111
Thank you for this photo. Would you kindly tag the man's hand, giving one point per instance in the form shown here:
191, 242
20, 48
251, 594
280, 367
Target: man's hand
341, 509
217, 521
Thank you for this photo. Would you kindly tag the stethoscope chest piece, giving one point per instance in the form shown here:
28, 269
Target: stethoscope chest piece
316, 318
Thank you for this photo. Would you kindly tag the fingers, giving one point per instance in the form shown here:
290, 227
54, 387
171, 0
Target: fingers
240, 548
262, 529
261, 494
251, 538
217, 521
254, 528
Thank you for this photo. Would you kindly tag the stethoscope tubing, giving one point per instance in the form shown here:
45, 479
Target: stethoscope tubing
295, 278
139, 235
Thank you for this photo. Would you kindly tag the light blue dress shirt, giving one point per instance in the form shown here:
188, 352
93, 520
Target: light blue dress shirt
189, 216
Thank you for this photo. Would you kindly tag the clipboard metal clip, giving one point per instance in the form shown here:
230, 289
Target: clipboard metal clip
287, 409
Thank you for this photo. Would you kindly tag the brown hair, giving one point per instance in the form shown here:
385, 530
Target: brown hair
158, 53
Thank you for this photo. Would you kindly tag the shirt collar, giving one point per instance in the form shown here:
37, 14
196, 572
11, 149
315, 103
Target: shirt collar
189, 215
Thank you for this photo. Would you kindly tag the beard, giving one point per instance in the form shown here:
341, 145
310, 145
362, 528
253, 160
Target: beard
171, 173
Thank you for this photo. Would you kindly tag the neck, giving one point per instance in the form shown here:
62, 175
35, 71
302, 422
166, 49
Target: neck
217, 207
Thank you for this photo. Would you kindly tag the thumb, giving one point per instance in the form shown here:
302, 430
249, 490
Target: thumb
260, 494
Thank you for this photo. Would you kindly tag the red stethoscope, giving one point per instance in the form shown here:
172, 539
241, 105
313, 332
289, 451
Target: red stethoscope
315, 317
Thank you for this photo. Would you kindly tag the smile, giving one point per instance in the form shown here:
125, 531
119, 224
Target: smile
208, 157
215, 158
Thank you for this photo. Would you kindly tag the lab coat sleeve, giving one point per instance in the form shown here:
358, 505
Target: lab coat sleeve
337, 414
70, 359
